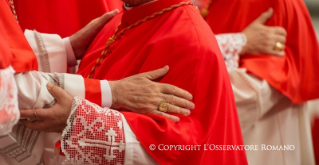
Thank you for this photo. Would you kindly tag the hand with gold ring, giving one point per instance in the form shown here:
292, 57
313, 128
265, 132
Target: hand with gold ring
262, 39
141, 94
279, 47
163, 107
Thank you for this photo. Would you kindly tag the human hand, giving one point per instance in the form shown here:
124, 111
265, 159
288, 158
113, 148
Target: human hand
262, 39
82, 39
52, 119
140, 94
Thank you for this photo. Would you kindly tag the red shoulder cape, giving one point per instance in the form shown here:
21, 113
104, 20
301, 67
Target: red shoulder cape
14, 48
295, 75
59, 16
181, 39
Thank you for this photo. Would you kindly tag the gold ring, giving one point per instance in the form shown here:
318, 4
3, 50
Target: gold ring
163, 106
279, 46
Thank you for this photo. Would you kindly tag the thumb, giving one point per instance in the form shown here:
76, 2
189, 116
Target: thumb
264, 17
108, 16
155, 74
58, 93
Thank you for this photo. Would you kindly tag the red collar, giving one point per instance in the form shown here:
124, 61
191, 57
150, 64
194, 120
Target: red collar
140, 12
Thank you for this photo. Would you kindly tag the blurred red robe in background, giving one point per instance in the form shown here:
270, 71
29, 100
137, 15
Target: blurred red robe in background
61, 17
295, 75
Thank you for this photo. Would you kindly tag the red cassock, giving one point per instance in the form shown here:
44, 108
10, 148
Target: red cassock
61, 17
296, 74
315, 137
14, 48
181, 39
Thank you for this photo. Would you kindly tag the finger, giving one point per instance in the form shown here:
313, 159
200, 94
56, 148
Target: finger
36, 125
277, 53
280, 31
108, 16
177, 101
175, 119
281, 39
173, 90
178, 110
31, 114
37, 114
263, 18
155, 74
58, 93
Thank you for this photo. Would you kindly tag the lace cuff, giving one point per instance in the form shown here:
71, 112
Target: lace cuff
9, 111
231, 45
93, 135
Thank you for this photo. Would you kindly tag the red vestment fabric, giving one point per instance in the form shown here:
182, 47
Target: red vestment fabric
61, 17
5, 52
181, 39
315, 137
296, 74
15, 49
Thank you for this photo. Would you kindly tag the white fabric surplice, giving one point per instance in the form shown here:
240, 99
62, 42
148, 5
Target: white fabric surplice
26, 146
267, 117
9, 112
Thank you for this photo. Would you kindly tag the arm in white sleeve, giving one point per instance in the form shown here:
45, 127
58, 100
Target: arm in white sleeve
254, 97
26, 146
34, 94
53, 53
100, 136
70, 53
231, 45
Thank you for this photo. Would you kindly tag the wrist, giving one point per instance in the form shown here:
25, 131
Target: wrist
73, 44
113, 86
245, 48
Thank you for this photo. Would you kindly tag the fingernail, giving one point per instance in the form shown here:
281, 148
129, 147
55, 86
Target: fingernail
49, 85
116, 11
187, 113
192, 105
191, 97
177, 119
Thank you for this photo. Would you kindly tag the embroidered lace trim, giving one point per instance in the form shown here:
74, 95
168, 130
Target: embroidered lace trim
43, 53
9, 111
231, 45
93, 135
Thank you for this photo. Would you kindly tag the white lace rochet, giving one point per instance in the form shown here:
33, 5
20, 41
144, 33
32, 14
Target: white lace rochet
93, 135
231, 45
9, 111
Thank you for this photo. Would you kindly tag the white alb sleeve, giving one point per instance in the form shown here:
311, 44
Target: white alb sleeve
49, 50
71, 59
26, 146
